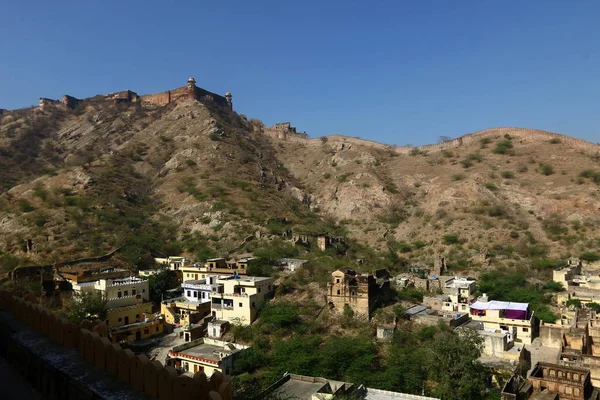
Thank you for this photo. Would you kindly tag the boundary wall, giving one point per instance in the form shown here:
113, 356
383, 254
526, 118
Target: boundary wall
150, 379
522, 134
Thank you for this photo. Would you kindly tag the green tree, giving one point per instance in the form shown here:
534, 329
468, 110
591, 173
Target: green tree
590, 256
593, 306
86, 306
158, 284
454, 366
576, 303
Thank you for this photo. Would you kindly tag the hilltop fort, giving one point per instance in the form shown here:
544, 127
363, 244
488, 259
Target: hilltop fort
189, 91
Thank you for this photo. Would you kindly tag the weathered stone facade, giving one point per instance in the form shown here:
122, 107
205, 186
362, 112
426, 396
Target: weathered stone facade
358, 291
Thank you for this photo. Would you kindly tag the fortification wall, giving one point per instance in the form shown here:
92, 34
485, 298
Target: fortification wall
35, 270
526, 135
150, 379
521, 134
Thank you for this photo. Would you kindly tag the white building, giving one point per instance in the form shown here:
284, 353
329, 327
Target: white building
200, 290
118, 292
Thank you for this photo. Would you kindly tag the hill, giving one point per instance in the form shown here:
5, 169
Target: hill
195, 177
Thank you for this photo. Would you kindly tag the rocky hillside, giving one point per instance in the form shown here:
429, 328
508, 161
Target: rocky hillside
192, 178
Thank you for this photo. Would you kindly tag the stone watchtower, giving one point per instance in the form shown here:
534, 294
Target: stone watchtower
191, 84
228, 98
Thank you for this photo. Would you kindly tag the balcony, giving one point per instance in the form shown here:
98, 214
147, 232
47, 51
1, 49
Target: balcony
219, 306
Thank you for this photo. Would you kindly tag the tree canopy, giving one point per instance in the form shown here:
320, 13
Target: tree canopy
86, 306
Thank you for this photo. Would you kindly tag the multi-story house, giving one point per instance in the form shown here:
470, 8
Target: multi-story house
238, 299
174, 263
458, 293
514, 318
193, 305
129, 312
216, 266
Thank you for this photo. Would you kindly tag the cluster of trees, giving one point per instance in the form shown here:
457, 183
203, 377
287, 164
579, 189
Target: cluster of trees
503, 284
432, 360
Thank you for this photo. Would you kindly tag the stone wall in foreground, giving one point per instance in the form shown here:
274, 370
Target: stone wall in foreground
66, 361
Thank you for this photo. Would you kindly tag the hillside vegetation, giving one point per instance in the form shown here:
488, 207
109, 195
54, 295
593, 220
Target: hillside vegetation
192, 179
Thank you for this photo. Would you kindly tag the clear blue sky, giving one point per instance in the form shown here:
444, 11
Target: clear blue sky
400, 72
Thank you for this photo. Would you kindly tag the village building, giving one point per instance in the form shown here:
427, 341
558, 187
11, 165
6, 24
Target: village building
501, 316
577, 342
217, 328
300, 387
424, 315
357, 291
174, 263
580, 284
290, 264
192, 306
129, 311
238, 299
89, 274
385, 332
551, 381
204, 355
216, 266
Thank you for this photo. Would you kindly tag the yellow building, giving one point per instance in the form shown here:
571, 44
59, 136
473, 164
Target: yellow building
215, 266
173, 263
129, 311
204, 355
238, 300
134, 323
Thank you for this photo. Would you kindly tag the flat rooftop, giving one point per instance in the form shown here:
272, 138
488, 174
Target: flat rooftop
303, 388
376, 394
204, 350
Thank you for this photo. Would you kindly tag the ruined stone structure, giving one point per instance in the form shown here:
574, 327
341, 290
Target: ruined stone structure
569, 382
189, 91
281, 130
325, 241
578, 342
552, 381
358, 291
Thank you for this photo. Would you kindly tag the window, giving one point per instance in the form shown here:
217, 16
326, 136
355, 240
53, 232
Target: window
338, 292
133, 292
143, 290
195, 293
337, 280
137, 316
119, 294
240, 304
126, 293
258, 290
157, 329
253, 305
120, 319
189, 293
525, 329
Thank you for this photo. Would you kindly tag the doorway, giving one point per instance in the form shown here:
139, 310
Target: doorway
127, 320
138, 335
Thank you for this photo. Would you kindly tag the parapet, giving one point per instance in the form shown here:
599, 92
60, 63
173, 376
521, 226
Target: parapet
190, 90
66, 348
